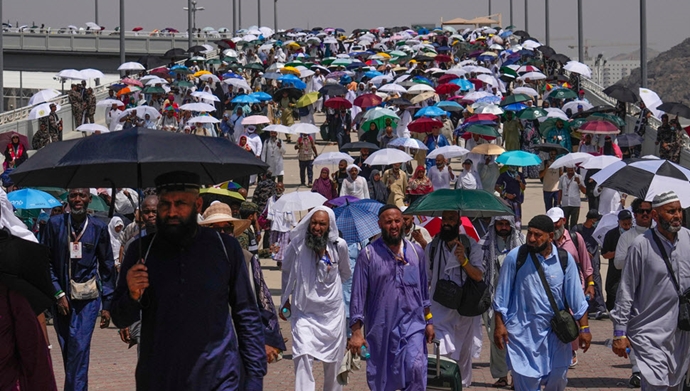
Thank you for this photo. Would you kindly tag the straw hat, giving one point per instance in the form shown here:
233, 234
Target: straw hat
219, 212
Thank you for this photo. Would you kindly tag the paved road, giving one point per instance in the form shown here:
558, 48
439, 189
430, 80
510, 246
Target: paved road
112, 364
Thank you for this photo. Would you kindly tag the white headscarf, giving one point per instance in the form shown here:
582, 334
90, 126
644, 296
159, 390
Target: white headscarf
10, 222
299, 234
115, 236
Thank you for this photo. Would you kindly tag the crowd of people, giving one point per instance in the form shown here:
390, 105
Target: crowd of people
176, 264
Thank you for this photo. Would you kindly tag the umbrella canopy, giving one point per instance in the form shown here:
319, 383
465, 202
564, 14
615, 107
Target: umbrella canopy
308, 99
357, 145
338, 103
546, 147
449, 151
299, 200
244, 99
621, 93
333, 90
43, 96
6, 138
387, 156
647, 178
532, 113
292, 93
358, 220
256, 120
488, 149
225, 196
278, 128
482, 130
629, 140
204, 119
515, 98
676, 108
134, 158
333, 158
32, 199
91, 128
368, 100
261, 96
599, 127
519, 159
304, 128
408, 142
340, 201
42, 110
578, 67
430, 111
131, 66
571, 160
470, 203
599, 162
197, 106
424, 125
562, 93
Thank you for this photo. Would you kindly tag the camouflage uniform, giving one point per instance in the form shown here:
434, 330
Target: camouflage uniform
77, 104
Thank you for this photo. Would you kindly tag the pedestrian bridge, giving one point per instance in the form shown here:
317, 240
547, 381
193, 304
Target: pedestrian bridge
26, 50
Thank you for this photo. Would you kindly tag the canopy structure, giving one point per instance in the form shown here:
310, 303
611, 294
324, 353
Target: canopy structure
477, 22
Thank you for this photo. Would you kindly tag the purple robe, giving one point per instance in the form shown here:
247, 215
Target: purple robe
389, 298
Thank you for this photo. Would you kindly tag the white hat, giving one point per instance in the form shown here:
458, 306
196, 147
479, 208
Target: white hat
351, 166
555, 214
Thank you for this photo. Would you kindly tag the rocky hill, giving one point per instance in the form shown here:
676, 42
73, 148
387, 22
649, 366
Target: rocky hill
666, 74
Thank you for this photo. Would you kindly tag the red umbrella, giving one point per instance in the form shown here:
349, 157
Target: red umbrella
477, 84
599, 127
433, 225
132, 82
368, 100
161, 71
482, 117
447, 77
138, 28
6, 138
442, 58
424, 125
447, 88
338, 103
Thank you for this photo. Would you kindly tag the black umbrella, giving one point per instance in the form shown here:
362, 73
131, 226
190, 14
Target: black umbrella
562, 58
558, 78
547, 51
422, 58
134, 158
595, 109
175, 53
546, 147
676, 108
196, 48
25, 268
521, 33
357, 145
333, 90
223, 45
255, 66
292, 92
399, 102
621, 93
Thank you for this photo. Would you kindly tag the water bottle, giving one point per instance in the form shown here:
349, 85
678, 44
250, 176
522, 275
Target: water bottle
286, 312
609, 344
588, 297
364, 353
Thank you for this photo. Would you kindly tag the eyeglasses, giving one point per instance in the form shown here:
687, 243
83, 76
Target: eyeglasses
226, 229
643, 211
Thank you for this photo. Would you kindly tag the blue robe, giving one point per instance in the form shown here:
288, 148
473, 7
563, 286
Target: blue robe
390, 298
75, 331
188, 341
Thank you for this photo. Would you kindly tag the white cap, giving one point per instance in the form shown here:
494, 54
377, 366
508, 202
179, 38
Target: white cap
555, 214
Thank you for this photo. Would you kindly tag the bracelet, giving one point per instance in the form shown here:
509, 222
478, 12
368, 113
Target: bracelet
591, 283
58, 293
621, 337
584, 330
584, 327
465, 263
430, 322
619, 333
428, 316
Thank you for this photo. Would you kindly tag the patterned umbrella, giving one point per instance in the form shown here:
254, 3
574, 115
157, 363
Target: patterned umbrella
358, 220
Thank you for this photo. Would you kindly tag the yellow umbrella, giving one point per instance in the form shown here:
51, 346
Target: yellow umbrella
307, 99
292, 45
488, 149
201, 73
290, 70
384, 55
422, 97
222, 192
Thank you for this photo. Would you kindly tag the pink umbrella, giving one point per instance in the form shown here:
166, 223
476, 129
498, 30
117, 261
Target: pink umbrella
256, 120
599, 127
132, 82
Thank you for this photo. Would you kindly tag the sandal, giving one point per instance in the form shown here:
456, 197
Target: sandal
500, 383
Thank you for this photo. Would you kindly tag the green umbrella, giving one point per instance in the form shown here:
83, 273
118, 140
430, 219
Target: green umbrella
470, 203
54, 191
214, 61
327, 60
380, 123
614, 119
229, 59
255, 66
184, 83
483, 130
154, 90
532, 113
509, 72
294, 64
562, 93
550, 123
342, 62
397, 53
515, 98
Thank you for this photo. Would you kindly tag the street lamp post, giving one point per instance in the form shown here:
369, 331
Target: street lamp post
96, 9
258, 2
547, 32
191, 9
489, 8
234, 16
511, 12
122, 31
239, 13
580, 34
527, 16
275, 15
643, 43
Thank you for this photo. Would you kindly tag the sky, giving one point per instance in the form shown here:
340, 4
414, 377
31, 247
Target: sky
610, 26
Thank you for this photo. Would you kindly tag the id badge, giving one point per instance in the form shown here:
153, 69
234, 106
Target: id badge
75, 250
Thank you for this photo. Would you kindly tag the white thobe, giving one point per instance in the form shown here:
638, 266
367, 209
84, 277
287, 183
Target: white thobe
273, 156
357, 188
467, 180
609, 200
441, 179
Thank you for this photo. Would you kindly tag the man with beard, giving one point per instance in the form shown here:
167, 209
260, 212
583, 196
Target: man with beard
645, 316
316, 264
456, 257
399, 324
81, 260
523, 313
498, 242
189, 284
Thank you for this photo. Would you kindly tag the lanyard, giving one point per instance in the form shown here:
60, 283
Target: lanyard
74, 235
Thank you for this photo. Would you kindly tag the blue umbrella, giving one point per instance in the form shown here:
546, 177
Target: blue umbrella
262, 96
430, 111
518, 158
231, 75
488, 99
358, 221
515, 107
244, 99
449, 105
422, 79
32, 199
465, 85
293, 80
373, 74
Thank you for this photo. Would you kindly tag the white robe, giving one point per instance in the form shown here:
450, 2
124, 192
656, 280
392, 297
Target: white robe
273, 156
357, 188
317, 306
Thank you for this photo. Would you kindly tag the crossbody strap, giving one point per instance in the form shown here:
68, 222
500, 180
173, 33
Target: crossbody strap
666, 261
540, 271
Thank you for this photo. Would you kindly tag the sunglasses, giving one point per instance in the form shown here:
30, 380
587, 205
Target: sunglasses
643, 211
229, 229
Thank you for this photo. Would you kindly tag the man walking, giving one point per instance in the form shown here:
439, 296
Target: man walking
441, 174
272, 153
306, 153
570, 185
597, 306
645, 316
523, 312
81, 261
190, 273
398, 325
316, 264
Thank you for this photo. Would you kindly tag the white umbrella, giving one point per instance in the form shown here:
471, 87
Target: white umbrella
93, 26
266, 31
474, 95
419, 88
599, 162
131, 66
530, 44
205, 96
278, 128
43, 96
141, 112
90, 73
652, 101
299, 200
250, 38
554, 112
208, 76
572, 105
304, 128
605, 224
449, 151
155, 80
41, 110
230, 53
333, 158
91, 128
392, 88
578, 67
533, 76
255, 120
198, 106
306, 73
571, 159
239, 83
526, 90
407, 142
380, 79
387, 156
203, 119
70, 74
110, 102
488, 79
489, 109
